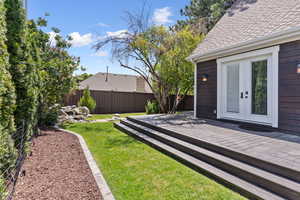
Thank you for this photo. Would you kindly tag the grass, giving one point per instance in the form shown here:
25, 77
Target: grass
109, 116
135, 171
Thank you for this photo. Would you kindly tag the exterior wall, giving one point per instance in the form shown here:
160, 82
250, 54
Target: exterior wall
207, 91
289, 88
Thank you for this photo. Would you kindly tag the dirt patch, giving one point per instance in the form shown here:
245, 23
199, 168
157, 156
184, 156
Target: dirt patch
57, 169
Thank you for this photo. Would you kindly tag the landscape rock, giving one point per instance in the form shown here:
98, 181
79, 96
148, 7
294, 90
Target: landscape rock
71, 114
84, 110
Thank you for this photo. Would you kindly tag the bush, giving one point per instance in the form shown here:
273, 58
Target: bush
7, 105
87, 100
152, 107
50, 117
3, 192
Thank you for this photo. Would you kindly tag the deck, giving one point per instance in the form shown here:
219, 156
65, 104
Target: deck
275, 147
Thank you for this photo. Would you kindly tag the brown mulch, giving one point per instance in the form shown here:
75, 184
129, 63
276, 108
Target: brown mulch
57, 169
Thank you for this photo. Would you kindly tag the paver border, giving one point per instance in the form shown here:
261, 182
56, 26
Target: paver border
99, 178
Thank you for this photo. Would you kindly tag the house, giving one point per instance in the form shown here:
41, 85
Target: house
116, 82
248, 67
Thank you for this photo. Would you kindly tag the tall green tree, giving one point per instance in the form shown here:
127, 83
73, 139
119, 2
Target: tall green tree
23, 69
55, 67
204, 14
7, 105
176, 71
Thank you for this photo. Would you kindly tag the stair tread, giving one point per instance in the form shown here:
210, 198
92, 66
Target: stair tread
258, 191
283, 170
284, 182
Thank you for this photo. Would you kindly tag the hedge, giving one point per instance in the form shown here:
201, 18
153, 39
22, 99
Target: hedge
7, 105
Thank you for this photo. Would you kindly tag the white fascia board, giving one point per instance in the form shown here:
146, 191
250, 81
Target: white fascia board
292, 34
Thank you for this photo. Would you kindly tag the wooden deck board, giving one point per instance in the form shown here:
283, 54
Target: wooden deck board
276, 147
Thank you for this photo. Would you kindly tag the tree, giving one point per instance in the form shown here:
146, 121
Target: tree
34, 75
23, 70
82, 77
87, 100
56, 67
7, 104
140, 49
156, 53
204, 14
176, 70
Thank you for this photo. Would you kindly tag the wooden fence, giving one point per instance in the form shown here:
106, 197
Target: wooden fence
121, 102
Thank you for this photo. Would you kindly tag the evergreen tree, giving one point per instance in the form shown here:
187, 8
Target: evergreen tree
87, 100
7, 102
204, 13
23, 69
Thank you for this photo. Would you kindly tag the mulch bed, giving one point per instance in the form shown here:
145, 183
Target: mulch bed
57, 169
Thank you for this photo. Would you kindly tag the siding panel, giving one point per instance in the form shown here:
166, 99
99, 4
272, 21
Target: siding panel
207, 91
289, 87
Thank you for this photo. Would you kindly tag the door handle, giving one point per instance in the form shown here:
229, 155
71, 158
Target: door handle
242, 95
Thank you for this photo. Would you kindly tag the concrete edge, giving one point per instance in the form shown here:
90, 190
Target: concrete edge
99, 178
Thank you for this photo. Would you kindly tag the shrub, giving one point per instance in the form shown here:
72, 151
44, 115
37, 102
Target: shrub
22, 69
3, 192
152, 107
7, 104
50, 116
87, 100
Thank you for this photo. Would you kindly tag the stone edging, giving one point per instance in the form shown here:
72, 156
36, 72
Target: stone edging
101, 183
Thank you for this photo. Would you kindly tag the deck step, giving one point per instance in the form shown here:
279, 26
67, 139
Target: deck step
235, 183
276, 184
266, 165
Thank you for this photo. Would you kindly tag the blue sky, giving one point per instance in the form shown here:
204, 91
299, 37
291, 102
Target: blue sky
87, 19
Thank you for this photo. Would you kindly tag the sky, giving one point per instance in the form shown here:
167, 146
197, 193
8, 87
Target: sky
86, 20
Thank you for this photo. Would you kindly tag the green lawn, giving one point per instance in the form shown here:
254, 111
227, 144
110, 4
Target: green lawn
109, 116
135, 171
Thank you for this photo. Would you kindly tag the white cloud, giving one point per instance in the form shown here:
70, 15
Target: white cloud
117, 34
100, 54
162, 16
102, 24
81, 40
52, 36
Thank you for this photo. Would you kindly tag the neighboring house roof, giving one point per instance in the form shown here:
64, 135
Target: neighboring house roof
115, 82
247, 22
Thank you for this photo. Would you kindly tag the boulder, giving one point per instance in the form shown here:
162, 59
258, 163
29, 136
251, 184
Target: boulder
84, 110
61, 112
79, 117
73, 114
77, 111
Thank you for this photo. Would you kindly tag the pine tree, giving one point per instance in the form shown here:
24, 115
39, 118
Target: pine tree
87, 100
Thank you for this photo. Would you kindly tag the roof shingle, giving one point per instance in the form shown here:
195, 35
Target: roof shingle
249, 20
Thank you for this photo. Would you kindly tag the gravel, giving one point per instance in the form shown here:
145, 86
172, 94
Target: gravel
57, 169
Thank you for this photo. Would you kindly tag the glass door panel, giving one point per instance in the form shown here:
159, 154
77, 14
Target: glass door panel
233, 88
260, 88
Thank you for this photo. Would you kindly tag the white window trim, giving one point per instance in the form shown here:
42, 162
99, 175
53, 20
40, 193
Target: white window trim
274, 52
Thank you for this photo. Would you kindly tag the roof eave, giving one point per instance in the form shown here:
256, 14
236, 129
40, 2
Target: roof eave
271, 40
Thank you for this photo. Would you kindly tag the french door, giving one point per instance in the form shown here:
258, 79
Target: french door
247, 90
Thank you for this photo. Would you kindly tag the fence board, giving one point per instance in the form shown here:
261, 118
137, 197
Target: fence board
121, 102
